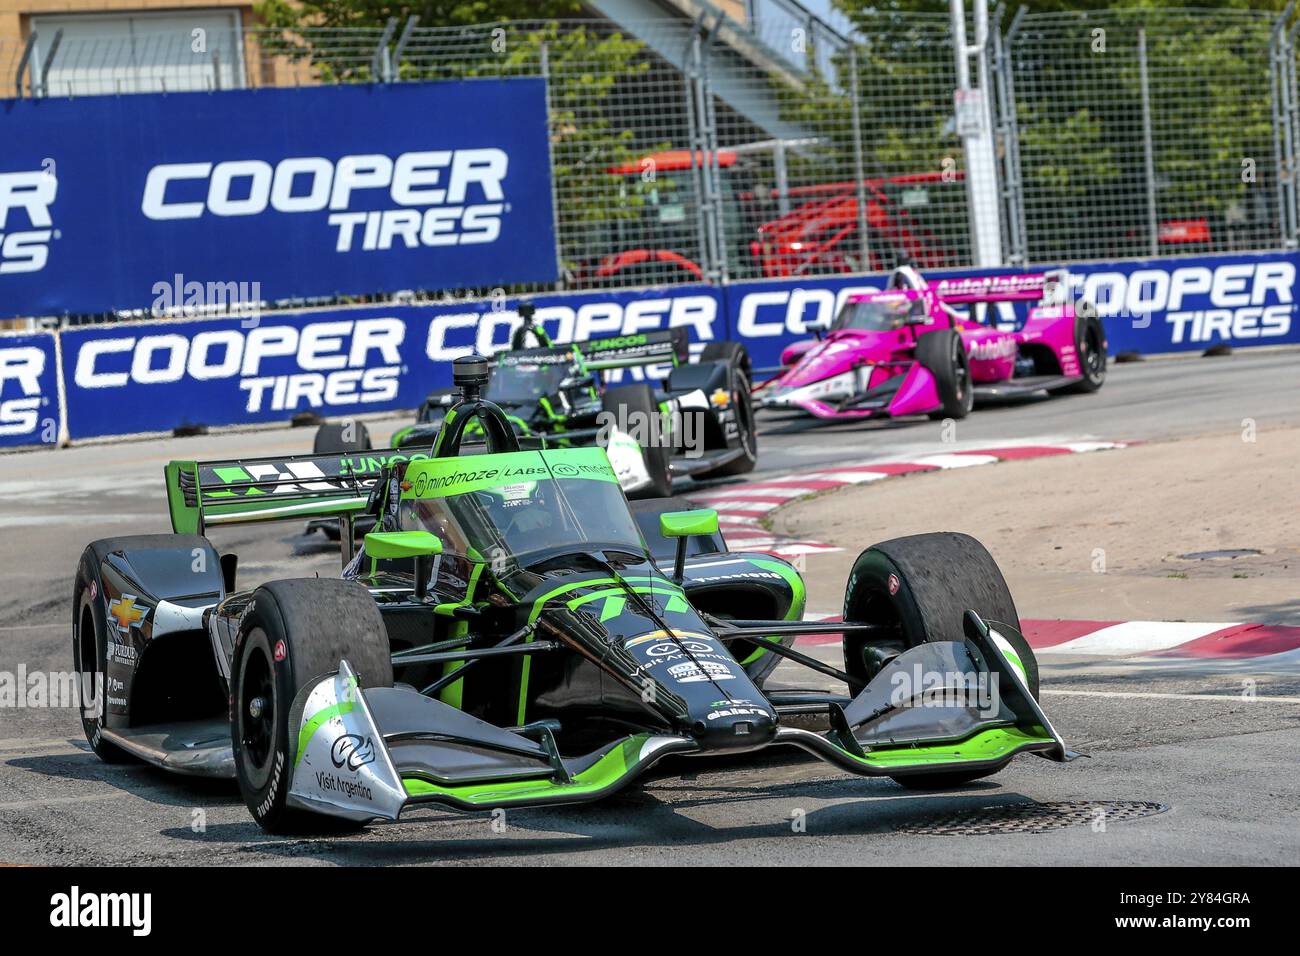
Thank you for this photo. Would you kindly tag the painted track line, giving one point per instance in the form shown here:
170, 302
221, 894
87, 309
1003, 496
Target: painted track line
1153, 695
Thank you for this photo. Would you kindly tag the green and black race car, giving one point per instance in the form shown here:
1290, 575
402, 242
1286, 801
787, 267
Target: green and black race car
513, 634
699, 422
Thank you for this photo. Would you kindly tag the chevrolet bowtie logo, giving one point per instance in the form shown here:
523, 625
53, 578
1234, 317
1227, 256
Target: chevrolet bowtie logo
124, 611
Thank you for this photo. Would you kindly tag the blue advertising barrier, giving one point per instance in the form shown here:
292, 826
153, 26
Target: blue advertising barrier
163, 200
1148, 306
153, 376
137, 377
29, 390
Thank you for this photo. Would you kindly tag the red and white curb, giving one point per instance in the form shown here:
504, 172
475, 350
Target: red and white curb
742, 507
1161, 638
1176, 639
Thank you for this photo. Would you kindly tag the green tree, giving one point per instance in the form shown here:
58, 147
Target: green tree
1079, 107
586, 62
432, 13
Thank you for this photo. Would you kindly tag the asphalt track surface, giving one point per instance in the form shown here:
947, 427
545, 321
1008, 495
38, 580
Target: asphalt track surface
1175, 733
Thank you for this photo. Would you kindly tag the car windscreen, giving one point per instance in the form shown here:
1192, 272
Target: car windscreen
877, 315
526, 519
527, 381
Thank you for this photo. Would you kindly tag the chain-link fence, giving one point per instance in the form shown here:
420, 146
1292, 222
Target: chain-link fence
1141, 135
716, 150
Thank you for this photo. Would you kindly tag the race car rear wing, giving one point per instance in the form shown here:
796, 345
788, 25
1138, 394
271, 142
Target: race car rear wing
640, 348
1043, 287
201, 494
619, 351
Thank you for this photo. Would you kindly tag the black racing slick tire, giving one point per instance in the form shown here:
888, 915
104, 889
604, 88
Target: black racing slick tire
90, 654
91, 627
742, 406
633, 406
944, 354
337, 438
1090, 347
294, 633
923, 584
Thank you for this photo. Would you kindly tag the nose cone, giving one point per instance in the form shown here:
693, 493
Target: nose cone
733, 724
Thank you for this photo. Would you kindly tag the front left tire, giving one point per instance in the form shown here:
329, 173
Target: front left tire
293, 634
923, 584
944, 354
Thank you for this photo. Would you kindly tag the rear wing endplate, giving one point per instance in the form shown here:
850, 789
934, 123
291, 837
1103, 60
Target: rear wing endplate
640, 348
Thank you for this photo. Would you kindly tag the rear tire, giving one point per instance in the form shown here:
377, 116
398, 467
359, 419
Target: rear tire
320, 622
1090, 347
639, 400
944, 354
337, 438
90, 626
742, 404
924, 584
90, 655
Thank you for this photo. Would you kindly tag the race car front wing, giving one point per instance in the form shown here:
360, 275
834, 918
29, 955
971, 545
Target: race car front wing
371, 753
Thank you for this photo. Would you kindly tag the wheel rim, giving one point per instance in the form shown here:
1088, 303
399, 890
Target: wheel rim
257, 714
1093, 359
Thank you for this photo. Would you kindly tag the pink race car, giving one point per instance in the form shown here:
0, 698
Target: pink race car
907, 351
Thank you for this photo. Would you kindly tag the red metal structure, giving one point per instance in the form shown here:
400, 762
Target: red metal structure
818, 235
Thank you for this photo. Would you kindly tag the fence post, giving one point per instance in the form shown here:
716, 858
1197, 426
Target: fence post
859, 166
395, 65
555, 197
380, 65
1275, 104
1009, 130
22, 64
983, 199
703, 129
1148, 147
47, 61
1291, 129
690, 70
718, 228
